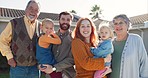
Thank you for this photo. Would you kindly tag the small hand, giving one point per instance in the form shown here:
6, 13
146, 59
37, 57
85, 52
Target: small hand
107, 71
108, 58
12, 62
46, 68
42, 66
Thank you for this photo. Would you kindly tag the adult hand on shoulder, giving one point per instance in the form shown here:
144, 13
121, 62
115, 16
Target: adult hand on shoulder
12, 62
46, 68
108, 58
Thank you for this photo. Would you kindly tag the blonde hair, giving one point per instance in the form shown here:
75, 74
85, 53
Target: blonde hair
47, 20
106, 25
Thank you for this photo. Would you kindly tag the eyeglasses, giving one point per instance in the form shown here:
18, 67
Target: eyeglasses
120, 23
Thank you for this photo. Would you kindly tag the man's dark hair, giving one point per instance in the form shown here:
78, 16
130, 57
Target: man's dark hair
65, 13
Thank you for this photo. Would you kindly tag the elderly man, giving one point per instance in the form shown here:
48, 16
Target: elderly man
18, 40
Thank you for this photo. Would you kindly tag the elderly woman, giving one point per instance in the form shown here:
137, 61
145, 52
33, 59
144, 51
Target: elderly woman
129, 59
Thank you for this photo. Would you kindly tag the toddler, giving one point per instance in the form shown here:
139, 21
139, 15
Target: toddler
44, 53
104, 49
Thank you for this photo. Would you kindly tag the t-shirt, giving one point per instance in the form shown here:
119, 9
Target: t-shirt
116, 58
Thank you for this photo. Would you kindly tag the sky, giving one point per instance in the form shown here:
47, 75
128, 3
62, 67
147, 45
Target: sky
110, 8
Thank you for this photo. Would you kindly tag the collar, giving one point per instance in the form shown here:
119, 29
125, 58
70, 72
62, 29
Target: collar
63, 34
28, 21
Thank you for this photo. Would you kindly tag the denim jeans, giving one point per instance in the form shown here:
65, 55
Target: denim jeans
24, 72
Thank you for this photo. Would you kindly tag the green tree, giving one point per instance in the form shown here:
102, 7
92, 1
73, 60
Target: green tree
96, 11
73, 12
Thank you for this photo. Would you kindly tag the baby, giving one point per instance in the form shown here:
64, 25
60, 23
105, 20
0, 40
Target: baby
104, 49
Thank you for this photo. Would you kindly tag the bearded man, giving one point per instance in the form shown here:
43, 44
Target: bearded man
64, 68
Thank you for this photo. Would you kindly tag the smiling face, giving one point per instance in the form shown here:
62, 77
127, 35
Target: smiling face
120, 26
85, 28
48, 28
32, 11
65, 22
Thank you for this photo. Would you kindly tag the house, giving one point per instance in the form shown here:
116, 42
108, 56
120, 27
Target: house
140, 26
99, 21
6, 14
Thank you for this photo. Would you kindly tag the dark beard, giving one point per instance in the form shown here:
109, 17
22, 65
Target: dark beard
64, 27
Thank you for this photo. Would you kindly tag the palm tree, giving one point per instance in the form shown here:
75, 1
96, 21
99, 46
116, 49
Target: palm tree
95, 12
73, 12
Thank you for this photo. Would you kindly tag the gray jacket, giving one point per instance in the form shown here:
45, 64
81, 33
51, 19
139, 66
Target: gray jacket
134, 59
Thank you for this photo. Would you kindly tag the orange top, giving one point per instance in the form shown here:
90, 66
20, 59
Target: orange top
46, 40
85, 64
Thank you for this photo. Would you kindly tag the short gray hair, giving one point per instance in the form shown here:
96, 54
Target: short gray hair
126, 19
33, 1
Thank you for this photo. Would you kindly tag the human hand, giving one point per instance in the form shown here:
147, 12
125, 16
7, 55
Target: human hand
12, 62
108, 58
107, 71
46, 68
92, 49
42, 66
50, 32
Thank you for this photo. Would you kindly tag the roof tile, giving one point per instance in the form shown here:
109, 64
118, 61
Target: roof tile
139, 19
12, 13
